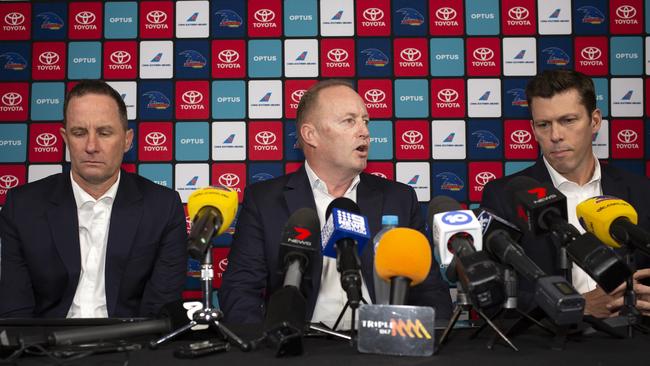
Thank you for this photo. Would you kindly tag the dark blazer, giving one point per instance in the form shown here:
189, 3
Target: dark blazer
632, 188
252, 274
146, 256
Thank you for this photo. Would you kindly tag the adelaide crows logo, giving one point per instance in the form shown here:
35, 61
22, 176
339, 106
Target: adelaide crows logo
591, 15
450, 182
229, 19
411, 17
486, 139
375, 57
14, 61
519, 97
157, 100
193, 59
556, 56
51, 21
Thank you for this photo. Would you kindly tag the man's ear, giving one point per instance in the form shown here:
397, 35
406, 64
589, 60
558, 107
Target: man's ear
308, 134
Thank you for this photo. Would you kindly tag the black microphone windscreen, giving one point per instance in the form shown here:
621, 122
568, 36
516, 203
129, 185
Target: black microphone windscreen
304, 217
342, 203
441, 204
518, 184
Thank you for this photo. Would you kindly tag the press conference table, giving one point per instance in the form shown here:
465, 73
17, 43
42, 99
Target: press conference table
595, 349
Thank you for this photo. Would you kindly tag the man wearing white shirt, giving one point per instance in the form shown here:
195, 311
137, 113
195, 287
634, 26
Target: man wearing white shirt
564, 121
332, 129
95, 241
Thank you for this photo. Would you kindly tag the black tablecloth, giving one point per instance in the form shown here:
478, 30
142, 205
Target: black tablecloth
534, 349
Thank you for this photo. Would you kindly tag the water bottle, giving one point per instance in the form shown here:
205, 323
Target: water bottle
382, 288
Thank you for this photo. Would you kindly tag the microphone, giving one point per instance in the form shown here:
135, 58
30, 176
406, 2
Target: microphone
343, 237
287, 308
211, 210
554, 294
403, 257
106, 332
455, 233
541, 208
614, 222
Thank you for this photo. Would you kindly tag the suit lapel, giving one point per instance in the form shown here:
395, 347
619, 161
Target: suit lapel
64, 226
125, 218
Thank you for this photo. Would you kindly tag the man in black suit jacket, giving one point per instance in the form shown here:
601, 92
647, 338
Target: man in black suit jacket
332, 128
62, 257
564, 119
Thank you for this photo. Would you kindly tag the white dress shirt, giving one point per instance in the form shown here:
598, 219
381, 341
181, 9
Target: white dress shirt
575, 194
94, 221
331, 297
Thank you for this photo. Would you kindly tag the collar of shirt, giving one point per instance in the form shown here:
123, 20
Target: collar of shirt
82, 197
318, 184
559, 181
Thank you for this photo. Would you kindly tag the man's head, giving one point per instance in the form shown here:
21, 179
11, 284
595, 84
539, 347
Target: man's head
332, 128
95, 129
564, 119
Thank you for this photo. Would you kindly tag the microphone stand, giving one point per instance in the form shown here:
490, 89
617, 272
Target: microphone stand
463, 304
206, 316
353, 309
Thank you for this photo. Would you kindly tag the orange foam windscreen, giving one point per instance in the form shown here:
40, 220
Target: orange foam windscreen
403, 252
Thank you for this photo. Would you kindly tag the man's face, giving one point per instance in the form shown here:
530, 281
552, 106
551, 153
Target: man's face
341, 135
96, 138
564, 130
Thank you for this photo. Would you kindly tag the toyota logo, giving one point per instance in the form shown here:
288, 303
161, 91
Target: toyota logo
120, 57
48, 58
375, 96
447, 95
483, 54
155, 138
518, 13
264, 15
228, 179
379, 174
297, 95
410, 54
446, 13
627, 136
85, 17
11, 99
156, 16
337, 55
223, 264
228, 56
8, 181
265, 137
626, 11
520, 136
192, 97
46, 139
14, 18
483, 177
412, 137
590, 53
373, 14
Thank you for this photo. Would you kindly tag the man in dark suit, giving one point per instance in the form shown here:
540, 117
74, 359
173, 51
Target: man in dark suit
564, 120
333, 133
97, 241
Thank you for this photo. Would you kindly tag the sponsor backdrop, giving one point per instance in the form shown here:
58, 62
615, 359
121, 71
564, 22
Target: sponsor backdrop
212, 87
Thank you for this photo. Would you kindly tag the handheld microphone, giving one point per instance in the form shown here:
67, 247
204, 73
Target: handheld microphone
478, 276
614, 222
554, 294
211, 210
343, 237
541, 208
403, 257
287, 308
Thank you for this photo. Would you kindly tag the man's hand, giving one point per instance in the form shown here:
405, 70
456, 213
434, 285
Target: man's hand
642, 294
596, 302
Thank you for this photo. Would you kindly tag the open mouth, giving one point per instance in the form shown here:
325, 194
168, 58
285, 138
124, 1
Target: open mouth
362, 148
